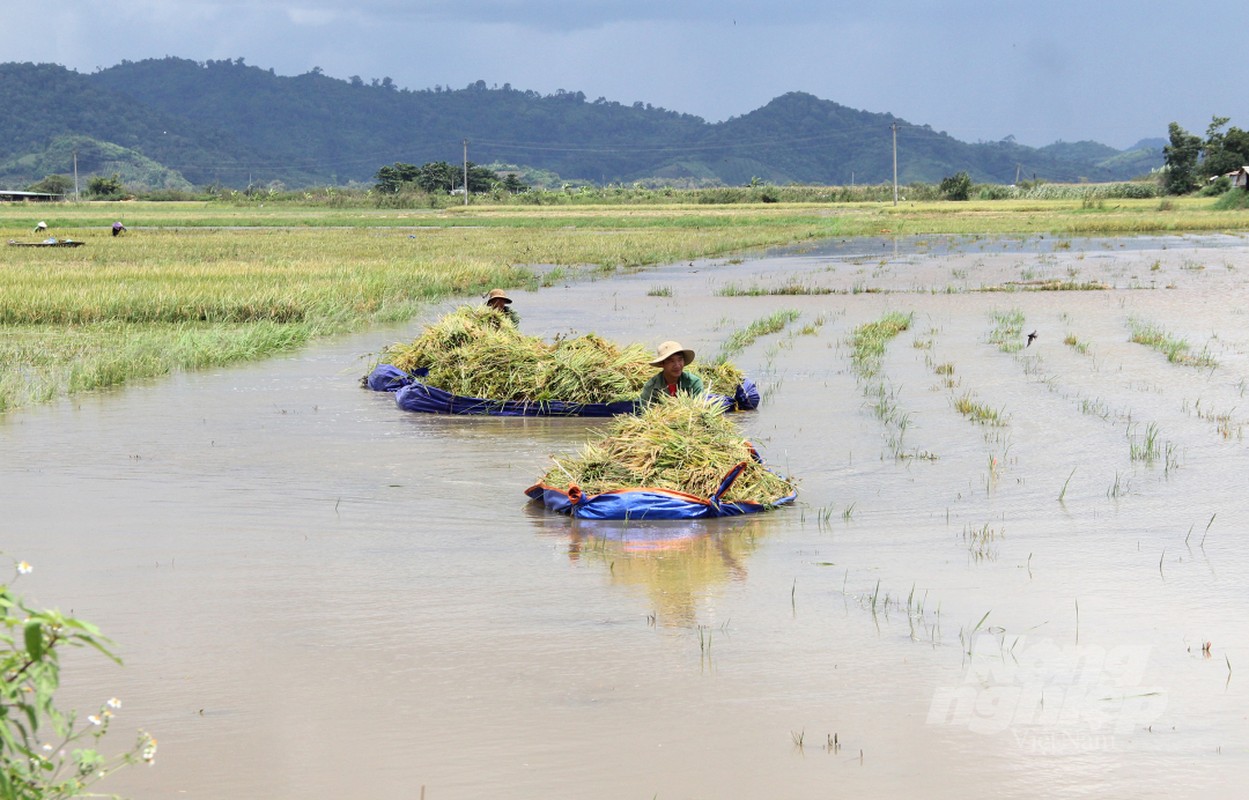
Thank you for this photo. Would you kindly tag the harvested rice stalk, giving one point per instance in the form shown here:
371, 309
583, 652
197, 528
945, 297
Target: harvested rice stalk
590, 366
720, 377
682, 444
476, 352
458, 329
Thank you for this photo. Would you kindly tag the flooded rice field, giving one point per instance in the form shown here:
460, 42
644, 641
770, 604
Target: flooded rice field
1013, 569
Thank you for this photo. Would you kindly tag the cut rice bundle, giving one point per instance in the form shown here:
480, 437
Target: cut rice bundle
474, 351
681, 444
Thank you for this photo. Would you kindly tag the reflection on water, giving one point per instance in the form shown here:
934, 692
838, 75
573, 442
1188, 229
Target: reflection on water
317, 595
678, 564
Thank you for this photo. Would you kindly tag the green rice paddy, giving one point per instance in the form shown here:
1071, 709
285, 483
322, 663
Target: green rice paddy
195, 284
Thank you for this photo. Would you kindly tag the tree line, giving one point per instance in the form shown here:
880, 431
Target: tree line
1193, 163
440, 177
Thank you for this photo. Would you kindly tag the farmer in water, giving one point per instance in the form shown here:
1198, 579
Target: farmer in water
499, 301
672, 360
118, 228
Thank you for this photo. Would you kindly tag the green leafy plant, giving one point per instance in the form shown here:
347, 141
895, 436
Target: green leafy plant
45, 751
955, 187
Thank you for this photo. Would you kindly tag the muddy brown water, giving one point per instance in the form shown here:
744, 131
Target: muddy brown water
318, 595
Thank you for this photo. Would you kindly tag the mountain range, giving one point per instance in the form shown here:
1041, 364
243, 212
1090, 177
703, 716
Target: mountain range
175, 123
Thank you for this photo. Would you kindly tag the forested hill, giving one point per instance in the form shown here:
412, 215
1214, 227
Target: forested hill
159, 121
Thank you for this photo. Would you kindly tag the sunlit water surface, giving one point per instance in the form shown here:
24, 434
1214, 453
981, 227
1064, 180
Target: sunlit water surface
318, 595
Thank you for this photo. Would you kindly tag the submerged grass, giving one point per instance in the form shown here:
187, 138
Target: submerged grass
1007, 330
979, 412
1175, 349
1046, 286
867, 344
1148, 449
981, 542
40, 364
741, 339
867, 349
733, 290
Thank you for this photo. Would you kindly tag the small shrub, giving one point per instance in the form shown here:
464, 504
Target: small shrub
44, 751
1216, 187
956, 186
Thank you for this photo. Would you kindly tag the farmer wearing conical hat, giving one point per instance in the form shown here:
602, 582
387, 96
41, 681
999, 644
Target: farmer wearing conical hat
499, 301
672, 359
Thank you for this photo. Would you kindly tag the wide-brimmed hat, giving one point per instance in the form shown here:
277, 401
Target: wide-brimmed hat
667, 349
497, 294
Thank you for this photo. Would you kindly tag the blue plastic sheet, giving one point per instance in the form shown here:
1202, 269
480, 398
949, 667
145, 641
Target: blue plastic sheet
413, 395
385, 378
645, 503
417, 396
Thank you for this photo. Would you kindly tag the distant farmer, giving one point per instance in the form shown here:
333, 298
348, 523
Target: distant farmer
671, 358
499, 301
118, 228
41, 226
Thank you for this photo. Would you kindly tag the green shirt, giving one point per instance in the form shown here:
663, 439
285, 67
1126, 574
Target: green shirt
656, 387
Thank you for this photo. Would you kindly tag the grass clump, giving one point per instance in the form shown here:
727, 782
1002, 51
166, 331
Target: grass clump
869, 339
1047, 285
475, 351
792, 288
682, 444
979, 412
1007, 330
741, 339
1175, 349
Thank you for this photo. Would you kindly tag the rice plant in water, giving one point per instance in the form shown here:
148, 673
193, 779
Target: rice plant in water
741, 339
1072, 341
979, 412
1175, 349
870, 339
981, 542
793, 288
1007, 330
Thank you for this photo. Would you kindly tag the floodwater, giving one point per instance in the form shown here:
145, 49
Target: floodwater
317, 595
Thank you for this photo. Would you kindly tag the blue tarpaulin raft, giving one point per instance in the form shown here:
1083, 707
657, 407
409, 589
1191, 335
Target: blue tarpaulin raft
650, 504
413, 395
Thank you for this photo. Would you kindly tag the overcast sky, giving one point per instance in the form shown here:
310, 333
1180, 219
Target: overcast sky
1113, 71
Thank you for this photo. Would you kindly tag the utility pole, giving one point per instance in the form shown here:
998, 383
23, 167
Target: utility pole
894, 126
466, 172
77, 198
